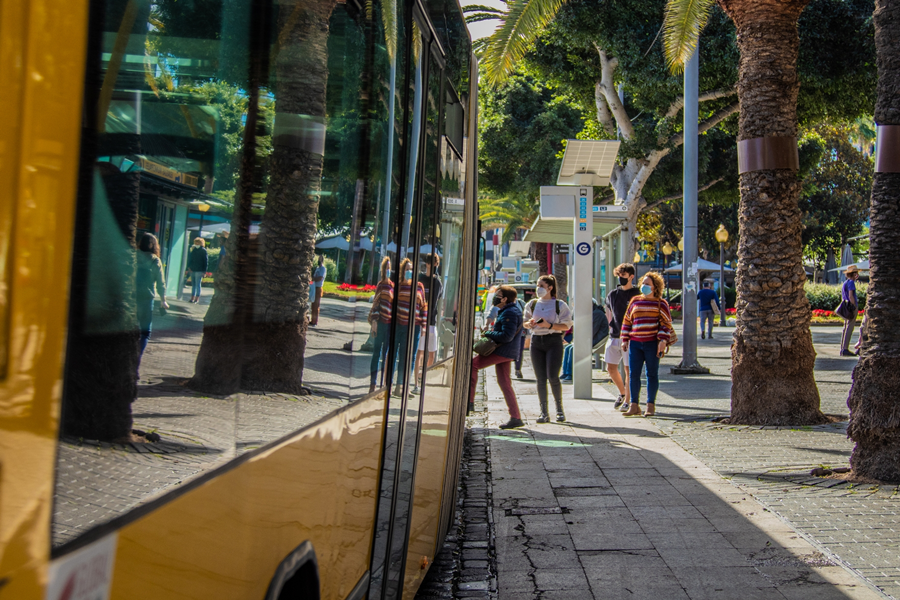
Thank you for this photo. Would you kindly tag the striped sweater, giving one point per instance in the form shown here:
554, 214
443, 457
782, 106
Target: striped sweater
384, 295
403, 309
643, 318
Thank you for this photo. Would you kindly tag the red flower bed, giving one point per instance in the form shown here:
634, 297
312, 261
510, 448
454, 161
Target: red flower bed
675, 307
822, 313
730, 311
346, 287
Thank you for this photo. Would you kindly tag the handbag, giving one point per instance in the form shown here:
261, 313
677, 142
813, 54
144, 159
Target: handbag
485, 346
845, 310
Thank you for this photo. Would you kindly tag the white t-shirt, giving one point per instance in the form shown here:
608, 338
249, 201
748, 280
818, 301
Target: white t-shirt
320, 272
546, 309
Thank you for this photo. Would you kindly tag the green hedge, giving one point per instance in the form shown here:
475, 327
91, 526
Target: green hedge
823, 296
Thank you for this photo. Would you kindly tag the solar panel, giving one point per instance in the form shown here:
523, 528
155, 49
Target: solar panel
588, 162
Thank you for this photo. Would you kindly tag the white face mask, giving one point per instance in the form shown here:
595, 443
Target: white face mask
541, 292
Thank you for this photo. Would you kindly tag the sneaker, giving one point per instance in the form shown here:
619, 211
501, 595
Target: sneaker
619, 401
625, 406
702, 335
560, 417
543, 419
565, 379
414, 390
710, 335
847, 353
512, 424
519, 375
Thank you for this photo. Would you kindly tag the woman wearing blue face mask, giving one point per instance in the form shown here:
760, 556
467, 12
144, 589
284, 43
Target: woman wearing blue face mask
380, 316
646, 329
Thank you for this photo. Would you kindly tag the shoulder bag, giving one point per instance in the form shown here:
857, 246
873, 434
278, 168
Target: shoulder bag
845, 310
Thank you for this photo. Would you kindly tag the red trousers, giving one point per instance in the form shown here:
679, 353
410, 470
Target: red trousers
501, 366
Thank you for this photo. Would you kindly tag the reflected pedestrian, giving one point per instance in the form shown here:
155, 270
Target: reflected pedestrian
198, 263
150, 282
409, 307
548, 318
848, 295
380, 315
645, 337
319, 282
505, 332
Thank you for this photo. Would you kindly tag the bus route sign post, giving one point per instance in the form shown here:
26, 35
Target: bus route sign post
575, 204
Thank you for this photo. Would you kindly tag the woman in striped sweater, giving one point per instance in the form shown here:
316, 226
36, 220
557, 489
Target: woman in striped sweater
381, 316
645, 336
409, 306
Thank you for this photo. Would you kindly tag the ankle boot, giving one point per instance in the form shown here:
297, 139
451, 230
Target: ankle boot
544, 418
560, 415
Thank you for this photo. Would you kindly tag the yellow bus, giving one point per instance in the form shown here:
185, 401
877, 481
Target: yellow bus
228, 230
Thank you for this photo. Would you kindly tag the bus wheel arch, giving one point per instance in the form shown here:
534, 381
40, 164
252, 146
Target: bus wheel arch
297, 576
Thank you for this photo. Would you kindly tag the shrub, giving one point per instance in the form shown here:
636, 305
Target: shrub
331, 270
823, 296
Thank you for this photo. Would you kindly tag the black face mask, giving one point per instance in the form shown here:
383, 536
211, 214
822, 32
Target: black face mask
497, 300
623, 281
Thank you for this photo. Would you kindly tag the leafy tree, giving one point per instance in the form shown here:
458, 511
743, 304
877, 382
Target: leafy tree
835, 198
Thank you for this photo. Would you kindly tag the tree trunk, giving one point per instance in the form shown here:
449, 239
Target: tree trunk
540, 255
874, 409
276, 343
772, 354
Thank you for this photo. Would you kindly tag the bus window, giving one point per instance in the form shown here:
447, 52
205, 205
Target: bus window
241, 208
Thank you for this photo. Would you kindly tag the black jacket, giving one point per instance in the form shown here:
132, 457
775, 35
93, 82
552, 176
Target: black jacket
601, 325
198, 260
506, 331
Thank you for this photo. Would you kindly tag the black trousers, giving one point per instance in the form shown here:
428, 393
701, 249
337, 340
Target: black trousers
547, 360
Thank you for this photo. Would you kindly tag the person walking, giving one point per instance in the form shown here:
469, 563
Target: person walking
504, 332
548, 318
410, 305
150, 282
848, 295
645, 337
318, 281
707, 299
198, 263
434, 292
616, 304
380, 315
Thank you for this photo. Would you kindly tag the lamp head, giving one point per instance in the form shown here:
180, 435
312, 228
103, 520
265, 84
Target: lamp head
681, 245
637, 257
668, 249
203, 207
721, 234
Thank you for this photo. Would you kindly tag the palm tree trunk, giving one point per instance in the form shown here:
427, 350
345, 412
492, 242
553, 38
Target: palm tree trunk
874, 414
276, 343
540, 255
772, 354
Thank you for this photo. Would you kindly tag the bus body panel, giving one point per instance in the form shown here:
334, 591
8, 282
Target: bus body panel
225, 538
42, 49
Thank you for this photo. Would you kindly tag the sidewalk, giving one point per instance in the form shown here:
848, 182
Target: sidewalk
610, 507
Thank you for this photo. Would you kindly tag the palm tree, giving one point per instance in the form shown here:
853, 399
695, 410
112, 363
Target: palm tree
513, 212
772, 354
874, 418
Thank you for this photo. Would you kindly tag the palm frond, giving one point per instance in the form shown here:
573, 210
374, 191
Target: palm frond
520, 24
684, 21
470, 8
475, 17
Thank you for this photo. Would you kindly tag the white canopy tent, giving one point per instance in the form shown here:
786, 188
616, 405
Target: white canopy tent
862, 265
702, 265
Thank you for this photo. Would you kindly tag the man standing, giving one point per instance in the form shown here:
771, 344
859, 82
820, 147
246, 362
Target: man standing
707, 299
434, 291
319, 282
848, 295
616, 304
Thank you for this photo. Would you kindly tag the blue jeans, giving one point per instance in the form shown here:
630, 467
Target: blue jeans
567, 362
145, 324
640, 354
707, 315
196, 278
521, 352
400, 352
379, 349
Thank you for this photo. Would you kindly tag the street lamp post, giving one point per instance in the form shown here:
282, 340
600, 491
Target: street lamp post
202, 207
667, 251
722, 237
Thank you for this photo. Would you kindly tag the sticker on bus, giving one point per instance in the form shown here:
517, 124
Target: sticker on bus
85, 574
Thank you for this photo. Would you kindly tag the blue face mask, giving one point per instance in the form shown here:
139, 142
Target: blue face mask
387, 274
408, 274
646, 290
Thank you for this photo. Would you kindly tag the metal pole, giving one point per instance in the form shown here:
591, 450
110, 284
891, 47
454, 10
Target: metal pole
722, 283
689, 363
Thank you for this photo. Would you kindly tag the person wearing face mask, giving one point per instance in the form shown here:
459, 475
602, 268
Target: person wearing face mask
505, 333
645, 336
380, 316
410, 305
616, 304
548, 319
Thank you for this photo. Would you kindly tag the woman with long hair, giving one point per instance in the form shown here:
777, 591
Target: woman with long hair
409, 306
548, 319
150, 282
646, 330
380, 315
